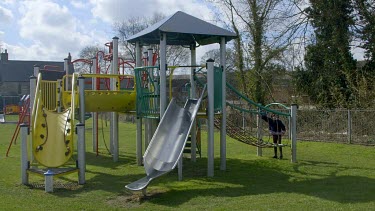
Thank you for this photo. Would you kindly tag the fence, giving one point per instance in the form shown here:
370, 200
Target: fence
339, 126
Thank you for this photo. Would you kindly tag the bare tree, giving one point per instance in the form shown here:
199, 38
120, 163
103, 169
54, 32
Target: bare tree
126, 28
87, 54
265, 28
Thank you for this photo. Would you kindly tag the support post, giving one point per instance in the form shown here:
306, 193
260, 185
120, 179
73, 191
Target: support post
48, 181
349, 127
223, 125
80, 130
293, 116
163, 77
114, 115
24, 161
210, 142
153, 122
259, 133
179, 166
33, 81
59, 95
81, 86
147, 120
138, 63
193, 133
66, 68
94, 114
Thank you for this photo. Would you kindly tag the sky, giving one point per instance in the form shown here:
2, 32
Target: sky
47, 30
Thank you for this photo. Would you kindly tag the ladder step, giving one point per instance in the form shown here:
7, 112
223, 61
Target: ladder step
187, 150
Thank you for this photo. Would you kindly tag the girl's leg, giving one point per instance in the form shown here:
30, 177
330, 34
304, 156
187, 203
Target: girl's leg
275, 137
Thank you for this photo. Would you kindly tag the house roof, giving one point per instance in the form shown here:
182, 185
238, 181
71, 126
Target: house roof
183, 29
20, 71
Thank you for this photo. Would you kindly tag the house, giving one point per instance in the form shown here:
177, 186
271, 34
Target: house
15, 74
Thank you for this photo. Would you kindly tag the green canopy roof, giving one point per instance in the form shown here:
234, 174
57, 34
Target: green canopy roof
182, 29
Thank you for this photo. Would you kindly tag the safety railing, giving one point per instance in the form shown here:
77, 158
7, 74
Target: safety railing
148, 96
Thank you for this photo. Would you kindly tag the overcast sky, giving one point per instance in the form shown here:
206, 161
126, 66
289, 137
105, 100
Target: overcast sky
49, 29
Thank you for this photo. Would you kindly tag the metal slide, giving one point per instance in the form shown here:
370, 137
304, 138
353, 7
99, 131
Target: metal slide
168, 142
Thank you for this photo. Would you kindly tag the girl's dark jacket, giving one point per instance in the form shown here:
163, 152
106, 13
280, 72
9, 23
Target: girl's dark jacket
276, 127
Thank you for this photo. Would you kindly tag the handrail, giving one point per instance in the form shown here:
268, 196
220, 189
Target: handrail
248, 100
36, 100
278, 104
86, 75
146, 67
242, 109
255, 104
73, 101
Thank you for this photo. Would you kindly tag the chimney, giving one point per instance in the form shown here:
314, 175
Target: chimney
4, 56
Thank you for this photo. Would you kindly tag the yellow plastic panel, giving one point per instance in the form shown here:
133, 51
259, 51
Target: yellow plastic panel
52, 139
67, 98
105, 101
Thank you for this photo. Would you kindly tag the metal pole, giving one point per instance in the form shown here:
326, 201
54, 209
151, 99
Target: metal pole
81, 153
48, 181
210, 91
193, 133
147, 120
81, 86
223, 126
259, 132
66, 68
179, 167
94, 114
153, 122
163, 70
138, 63
24, 162
294, 132
243, 120
349, 127
33, 81
114, 115
59, 95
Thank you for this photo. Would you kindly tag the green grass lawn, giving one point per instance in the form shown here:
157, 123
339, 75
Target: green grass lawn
327, 176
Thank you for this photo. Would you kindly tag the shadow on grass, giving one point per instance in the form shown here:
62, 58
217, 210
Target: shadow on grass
242, 178
259, 178
101, 174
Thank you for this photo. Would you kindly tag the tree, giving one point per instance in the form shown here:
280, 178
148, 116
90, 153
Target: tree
88, 53
366, 27
329, 65
265, 28
230, 62
176, 55
365, 33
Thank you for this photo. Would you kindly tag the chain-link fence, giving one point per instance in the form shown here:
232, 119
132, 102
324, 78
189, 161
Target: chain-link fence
339, 126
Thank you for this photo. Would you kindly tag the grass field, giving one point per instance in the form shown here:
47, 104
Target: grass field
327, 176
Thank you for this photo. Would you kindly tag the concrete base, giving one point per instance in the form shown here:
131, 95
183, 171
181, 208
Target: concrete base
49, 174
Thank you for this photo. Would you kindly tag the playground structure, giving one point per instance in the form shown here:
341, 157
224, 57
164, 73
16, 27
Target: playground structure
59, 108
9, 105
